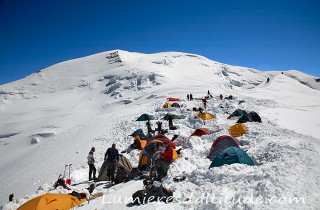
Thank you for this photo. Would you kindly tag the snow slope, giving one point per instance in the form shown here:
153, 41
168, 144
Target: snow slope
56, 115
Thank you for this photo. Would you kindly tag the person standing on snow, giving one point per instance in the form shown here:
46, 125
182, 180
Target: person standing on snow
204, 101
91, 161
111, 157
166, 159
150, 131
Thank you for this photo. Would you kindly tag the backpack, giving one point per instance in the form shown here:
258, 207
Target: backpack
78, 195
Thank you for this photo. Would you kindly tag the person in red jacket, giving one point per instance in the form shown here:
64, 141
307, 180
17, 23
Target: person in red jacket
164, 161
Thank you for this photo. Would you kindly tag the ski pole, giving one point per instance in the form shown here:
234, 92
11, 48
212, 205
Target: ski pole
64, 172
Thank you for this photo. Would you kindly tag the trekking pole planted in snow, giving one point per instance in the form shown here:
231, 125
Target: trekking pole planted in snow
68, 181
64, 172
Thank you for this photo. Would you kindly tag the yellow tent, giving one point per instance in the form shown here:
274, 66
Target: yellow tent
238, 129
205, 116
175, 154
142, 143
52, 202
143, 160
166, 105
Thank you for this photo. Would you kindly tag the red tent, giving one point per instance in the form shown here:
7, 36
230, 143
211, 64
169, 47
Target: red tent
200, 131
173, 99
163, 138
221, 143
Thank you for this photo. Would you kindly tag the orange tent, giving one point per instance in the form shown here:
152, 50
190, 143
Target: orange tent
238, 129
142, 143
143, 159
52, 202
205, 116
162, 138
166, 105
200, 132
175, 154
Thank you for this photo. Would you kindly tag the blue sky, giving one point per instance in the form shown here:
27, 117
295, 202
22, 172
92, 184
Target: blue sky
262, 34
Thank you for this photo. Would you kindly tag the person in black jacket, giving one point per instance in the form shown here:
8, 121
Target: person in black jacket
111, 157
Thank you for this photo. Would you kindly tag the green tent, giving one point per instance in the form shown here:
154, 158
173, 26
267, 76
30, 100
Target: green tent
231, 155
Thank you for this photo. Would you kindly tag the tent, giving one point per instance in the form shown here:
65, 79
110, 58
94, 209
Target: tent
123, 163
149, 151
173, 99
230, 97
166, 105
199, 132
251, 117
231, 155
238, 129
238, 112
162, 138
144, 117
52, 202
205, 116
176, 105
138, 132
138, 143
173, 116
221, 143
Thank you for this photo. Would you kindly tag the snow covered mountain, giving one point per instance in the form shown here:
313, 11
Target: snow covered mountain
55, 116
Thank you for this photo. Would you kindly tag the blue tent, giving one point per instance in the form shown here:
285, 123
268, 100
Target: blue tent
138, 132
231, 155
144, 117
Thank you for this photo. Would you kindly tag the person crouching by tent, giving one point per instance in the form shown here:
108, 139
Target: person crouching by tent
111, 157
162, 164
91, 161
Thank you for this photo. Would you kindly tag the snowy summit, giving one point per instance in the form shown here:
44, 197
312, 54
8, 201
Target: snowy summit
55, 116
